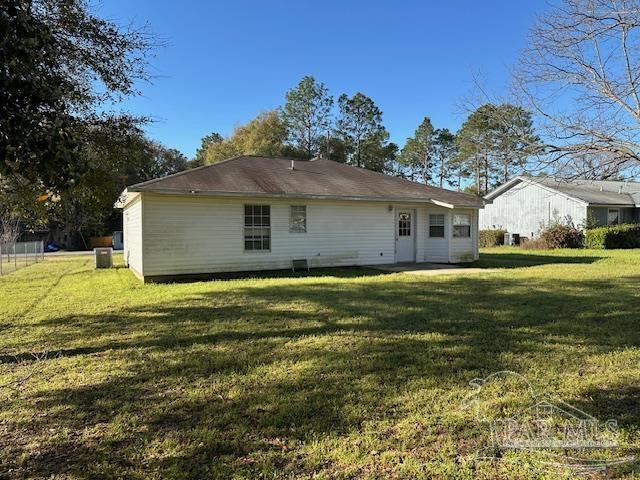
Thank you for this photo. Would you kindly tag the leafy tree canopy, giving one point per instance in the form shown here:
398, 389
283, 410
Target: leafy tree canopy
359, 127
201, 154
264, 135
307, 115
60, 64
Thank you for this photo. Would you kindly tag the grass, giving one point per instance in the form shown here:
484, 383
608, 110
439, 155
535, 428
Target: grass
337, 374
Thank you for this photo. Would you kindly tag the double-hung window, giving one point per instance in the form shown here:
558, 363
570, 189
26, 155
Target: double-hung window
613, 216
298, 219
257, 227
436, 225
462, 225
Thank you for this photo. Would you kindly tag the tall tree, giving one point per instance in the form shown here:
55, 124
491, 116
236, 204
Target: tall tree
515, 139
496, 141
444, 152
475, 142
60, 62
264, 135
333, 148
418, 153
307, 115
359, 127
579, 74
201, 154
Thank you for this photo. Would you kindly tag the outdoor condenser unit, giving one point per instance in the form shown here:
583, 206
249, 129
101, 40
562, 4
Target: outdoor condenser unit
103, 257
511, 239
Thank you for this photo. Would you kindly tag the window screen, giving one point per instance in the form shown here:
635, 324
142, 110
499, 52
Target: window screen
613, 216
298, 219
436, 225
257, 227
462, 225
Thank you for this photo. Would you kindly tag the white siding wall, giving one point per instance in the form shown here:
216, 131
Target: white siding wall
436, 249
465, 249
190, 235
204, 235
526, 207
132, 232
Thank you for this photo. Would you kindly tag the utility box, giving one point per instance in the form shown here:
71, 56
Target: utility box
511, 239
103, 257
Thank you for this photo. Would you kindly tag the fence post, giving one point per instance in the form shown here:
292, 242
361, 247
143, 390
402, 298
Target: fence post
42, 248
0, 259
15, 256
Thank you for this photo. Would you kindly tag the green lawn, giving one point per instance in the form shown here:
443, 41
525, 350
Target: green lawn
339, 374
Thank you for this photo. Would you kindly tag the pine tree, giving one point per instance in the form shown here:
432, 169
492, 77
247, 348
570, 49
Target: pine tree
307, 115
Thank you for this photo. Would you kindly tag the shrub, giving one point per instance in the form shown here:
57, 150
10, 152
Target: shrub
535, 244
492, 237
562, 236
556, 236
614, 236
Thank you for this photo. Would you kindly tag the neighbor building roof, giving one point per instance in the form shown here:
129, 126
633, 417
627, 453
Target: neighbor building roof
318, 178
592, 192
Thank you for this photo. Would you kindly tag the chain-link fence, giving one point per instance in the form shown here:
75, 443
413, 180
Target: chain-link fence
16, 255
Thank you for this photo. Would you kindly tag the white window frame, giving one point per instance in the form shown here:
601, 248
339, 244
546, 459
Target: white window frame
297, 226
464, 224
261, 225
432, 224
609, 210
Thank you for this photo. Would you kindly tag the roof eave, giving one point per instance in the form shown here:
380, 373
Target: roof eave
505, 186
616, 205
305, 196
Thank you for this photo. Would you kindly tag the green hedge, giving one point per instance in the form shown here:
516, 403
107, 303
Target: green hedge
492, 238
614, 236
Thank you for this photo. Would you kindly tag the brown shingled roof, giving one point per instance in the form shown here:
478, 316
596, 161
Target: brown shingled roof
319, 178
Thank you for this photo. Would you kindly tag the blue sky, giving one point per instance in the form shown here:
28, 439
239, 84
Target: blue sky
227, 61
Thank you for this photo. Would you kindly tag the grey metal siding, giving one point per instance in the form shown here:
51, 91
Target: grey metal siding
528, 207
600, 214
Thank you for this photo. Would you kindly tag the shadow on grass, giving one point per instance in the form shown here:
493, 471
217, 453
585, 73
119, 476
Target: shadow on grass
240, 383
338, 272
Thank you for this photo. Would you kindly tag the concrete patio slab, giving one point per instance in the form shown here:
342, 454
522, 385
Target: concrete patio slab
431, 269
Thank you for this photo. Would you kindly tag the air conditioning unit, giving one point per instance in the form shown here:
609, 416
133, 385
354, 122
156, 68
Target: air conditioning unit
103, 257
511, 239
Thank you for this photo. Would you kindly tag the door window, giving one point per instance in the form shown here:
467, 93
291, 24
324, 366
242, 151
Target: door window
404, 224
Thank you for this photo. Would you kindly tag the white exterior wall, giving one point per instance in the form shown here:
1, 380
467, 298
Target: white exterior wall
436, 249
465, 249
525, 207
199, 234
205, 235
132, 234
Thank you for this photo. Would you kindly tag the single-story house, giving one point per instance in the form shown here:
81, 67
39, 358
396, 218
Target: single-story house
263, 213
525, 204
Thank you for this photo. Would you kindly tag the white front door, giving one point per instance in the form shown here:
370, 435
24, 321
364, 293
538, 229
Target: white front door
405, 236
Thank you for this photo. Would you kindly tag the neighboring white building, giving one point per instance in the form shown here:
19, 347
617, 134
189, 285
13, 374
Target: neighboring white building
524, 205
262, 213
